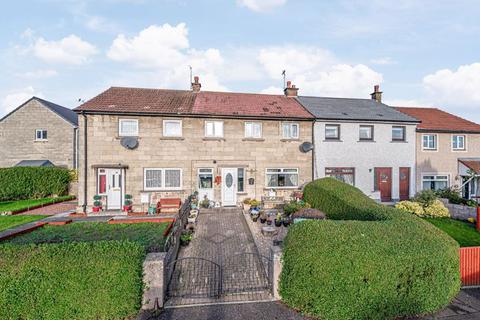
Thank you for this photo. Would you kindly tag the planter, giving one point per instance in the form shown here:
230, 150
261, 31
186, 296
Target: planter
127, 208
263, 220
97, 209
278, 223
254, 218
286, 222
184, 243
192, 219
269, 222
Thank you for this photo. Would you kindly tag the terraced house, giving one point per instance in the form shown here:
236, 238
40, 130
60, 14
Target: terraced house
153, 143
448, 151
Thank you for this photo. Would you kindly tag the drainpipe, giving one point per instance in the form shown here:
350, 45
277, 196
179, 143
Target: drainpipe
85, 168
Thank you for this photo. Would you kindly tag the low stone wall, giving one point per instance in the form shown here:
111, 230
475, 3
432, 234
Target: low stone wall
460, 212
154, 280
276, 256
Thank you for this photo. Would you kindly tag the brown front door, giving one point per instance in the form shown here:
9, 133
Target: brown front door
404, 183
384, 183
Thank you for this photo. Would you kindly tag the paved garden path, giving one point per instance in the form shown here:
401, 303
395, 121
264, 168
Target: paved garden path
62, 207
229, 262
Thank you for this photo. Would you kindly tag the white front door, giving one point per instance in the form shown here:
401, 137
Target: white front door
229, 187
205, 184
114, 189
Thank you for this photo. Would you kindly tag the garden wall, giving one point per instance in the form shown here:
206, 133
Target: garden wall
460, 212
470, 266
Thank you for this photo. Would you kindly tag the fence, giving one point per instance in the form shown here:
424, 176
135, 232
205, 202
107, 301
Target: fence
470, 266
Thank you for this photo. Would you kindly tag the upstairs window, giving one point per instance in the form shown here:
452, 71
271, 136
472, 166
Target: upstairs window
172, 128
398, 133
253, 130
332, 132
214, 129
429, 142
458, 143
41, 135
366, 133
290, 130
128, 127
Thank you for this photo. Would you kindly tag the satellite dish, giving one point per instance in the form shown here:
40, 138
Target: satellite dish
129, 142
306, 147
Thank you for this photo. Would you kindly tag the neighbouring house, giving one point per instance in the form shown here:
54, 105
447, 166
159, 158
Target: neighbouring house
153, 144
39, 133
448, 151
365, 143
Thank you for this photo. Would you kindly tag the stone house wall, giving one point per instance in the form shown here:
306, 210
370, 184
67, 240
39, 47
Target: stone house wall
190, 152
460, 212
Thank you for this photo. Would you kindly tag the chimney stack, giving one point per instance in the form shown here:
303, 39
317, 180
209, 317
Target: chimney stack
290, 90
377, 94
196, 85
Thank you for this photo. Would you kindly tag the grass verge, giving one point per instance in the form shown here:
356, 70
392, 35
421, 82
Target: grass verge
463, 232
7, 222
8, 206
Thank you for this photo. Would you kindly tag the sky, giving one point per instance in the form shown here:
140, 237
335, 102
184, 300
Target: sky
421, 53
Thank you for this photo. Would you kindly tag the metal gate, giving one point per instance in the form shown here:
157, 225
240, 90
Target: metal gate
202, 278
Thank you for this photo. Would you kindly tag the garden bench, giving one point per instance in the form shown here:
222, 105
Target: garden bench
169, 205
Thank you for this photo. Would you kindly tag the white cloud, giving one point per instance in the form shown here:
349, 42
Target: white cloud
261, 5
16, 98
69, 50
383, 61
318, 72
37, 74
455, 87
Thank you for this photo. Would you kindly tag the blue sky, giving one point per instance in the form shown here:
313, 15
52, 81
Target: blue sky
422, 53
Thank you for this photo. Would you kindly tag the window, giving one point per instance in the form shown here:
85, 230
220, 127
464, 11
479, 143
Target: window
205, 178
162, 179
332, 132
172, 128
214, 129
102, 181
398, 133
290, 130
458, 142
346, 175
282, 178
128, 127
366, 133
434, 182
253, 130
429, 142
40, 134
241, 180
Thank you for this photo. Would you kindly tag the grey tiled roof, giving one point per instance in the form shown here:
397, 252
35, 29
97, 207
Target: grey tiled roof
352, 109
35, 163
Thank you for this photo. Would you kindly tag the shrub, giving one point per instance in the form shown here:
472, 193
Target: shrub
389, 264
412, 207
426, 197
20, 183
435, 210
101, 280
454, 197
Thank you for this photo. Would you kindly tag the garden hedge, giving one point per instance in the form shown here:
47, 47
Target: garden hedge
101, 280
20, 183
368, 261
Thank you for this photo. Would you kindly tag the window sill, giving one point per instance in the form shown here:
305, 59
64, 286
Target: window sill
120, 137
281, 188
213, 139
367, 141
242, 193
459, 150
253, 139
172, 138
332, 140
289, 140
399, 141
40, 140
164, 190
430, 150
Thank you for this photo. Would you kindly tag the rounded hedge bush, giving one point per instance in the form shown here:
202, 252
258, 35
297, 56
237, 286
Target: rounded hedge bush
368, 261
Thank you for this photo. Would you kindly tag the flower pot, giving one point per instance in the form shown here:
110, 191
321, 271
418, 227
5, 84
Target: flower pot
96, 209
192, 219
254, 218
269, 222
286, 223
263, 220
127, 208
278, 223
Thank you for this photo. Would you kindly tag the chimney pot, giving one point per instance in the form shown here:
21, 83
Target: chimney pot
290, 90
196, 85
377, 94
196, 79
289, 84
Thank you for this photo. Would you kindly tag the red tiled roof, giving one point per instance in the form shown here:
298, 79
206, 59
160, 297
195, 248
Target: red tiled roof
248, 104
138, 100
434, 119
472, 164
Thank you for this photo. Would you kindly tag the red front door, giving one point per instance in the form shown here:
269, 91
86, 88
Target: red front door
404, 183
384, 183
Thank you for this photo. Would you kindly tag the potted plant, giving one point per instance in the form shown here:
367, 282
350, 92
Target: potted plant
263, 217
278, 220
205, 203
246, 204
254, 216
185, 238
286, 221
97, 204
192, 218
254, 204
127, 204
269, 220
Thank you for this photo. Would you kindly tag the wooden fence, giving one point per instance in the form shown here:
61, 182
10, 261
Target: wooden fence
470, 266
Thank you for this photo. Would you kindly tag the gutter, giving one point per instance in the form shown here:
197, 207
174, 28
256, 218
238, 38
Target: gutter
85, 168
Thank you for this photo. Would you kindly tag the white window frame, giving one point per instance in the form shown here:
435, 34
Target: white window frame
215, 135
162, 188
42, 138
290, 125
436, 142
282, 171
253, 123
435, 175
165, 134
120, 128
464, 142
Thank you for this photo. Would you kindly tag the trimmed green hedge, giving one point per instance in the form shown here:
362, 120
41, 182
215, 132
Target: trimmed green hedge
20, 183
101, 280
385, 265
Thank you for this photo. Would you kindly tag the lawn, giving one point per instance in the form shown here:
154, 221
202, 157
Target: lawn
148, 235
7, 222
463, 232
7, 206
